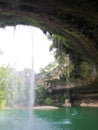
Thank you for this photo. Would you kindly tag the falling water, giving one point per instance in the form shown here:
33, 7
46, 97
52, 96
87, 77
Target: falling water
11, 88
22, 94
32, 82
31, 90
67, 60
68, 74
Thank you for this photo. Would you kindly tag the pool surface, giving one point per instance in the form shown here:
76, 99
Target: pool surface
61, 119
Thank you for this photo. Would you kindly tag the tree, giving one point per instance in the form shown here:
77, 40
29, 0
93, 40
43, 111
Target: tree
3, 75
41, 94
51, 66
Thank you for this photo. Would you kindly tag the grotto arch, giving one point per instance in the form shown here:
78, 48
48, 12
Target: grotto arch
76, 21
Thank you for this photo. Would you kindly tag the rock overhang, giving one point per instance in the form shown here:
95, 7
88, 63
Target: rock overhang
74, 20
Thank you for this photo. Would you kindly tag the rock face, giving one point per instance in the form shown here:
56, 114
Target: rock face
85, 96
67, 103
74, 20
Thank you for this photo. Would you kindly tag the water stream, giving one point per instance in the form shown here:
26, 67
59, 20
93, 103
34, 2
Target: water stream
68, 74
19, 90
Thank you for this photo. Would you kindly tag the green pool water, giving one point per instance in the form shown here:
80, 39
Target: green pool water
62, 119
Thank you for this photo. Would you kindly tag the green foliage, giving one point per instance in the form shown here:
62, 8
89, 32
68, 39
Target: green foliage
2, 99
61, 99
40, 95
85, 70
48, 101
59, 47
41, 90
3, 75
76, 68
13, 86
82, 70
2, 104
49, 67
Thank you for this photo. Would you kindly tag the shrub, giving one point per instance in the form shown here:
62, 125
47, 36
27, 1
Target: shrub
40, 95
48, 101
61, 99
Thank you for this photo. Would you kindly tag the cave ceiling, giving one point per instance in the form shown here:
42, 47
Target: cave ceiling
77, 20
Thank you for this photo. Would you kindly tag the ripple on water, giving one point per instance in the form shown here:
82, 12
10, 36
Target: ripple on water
66, 121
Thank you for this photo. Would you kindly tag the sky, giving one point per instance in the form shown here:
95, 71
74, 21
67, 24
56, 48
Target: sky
18, 43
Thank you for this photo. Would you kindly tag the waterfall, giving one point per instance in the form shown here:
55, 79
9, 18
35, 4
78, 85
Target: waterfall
19, 87
32, 82
68, 75
11, 88
67, 101
32, 88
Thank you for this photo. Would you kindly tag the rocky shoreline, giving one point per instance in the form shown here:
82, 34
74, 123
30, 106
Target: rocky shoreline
45, 108
83, 104
35, 108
